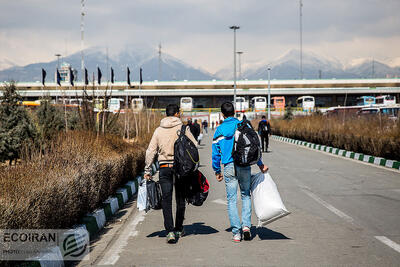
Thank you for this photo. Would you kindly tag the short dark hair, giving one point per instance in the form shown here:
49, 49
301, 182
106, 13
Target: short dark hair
263, 117
171, 109
227, 109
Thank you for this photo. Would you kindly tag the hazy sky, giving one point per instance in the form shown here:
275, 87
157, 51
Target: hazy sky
197, 32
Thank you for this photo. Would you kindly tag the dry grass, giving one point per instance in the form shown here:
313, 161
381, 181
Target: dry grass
79, 172
373, 135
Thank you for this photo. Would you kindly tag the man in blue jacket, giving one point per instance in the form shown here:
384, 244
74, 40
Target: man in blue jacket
222, 153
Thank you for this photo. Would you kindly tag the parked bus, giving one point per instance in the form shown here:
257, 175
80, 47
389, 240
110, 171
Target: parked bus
365, 100
278, 102
385, 100
114, 105
306, 103
259, 103
186, 104
241, 104
137, 104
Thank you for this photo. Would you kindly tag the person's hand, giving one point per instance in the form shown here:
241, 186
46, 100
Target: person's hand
147, 176
219, 177
263, 168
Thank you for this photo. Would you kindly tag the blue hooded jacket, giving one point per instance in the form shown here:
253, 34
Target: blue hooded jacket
223, 144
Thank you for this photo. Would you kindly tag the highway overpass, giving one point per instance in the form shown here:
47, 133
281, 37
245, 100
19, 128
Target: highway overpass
212, 93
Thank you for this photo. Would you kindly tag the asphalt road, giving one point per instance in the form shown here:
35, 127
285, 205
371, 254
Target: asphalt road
343, 213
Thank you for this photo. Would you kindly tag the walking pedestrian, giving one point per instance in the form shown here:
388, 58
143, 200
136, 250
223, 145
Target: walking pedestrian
193, 128
162, 144
212, 125
264, 130
205, 125
234, 175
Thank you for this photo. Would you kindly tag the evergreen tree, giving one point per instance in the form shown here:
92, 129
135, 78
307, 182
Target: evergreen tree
50, 120
16, 126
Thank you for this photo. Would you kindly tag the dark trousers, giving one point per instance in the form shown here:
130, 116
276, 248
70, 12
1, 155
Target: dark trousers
264, 140
167, 182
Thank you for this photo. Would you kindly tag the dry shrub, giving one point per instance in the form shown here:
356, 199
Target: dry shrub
377, 136
79, 171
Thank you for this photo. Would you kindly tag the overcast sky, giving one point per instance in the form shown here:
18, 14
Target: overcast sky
197, 32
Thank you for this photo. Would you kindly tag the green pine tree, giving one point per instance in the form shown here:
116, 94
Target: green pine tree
16, 126
50, 120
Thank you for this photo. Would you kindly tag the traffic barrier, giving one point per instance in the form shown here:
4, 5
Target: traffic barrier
341, 152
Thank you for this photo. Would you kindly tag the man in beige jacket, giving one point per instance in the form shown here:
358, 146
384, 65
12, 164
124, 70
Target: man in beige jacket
162, 143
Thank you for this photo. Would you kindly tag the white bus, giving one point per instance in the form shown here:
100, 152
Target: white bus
114, 105
186, 104
306, 103
137, 104
259, 103
385, 100
241, 104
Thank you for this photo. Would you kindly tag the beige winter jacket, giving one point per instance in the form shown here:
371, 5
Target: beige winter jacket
162, 142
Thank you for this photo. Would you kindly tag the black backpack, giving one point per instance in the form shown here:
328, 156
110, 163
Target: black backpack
186, 155
246, 146
265, 128
197, 189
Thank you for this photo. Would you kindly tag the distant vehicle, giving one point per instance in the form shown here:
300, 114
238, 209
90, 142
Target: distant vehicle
259, 103
137, 104
241, 104
385, 100
186, 104
114, 105
365, 101
306, 103
391, 112
278, 102
75, 102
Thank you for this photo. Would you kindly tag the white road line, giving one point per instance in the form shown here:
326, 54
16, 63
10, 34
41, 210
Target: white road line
329, 207
220, 201
389, 242
112, 255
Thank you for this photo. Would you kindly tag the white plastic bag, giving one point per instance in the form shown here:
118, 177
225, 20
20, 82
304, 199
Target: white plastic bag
142, 195
200, 137
267, 202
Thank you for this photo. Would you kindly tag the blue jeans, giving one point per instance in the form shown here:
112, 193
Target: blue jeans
242, 178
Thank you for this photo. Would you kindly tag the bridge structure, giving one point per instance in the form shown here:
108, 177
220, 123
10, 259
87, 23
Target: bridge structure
328, 92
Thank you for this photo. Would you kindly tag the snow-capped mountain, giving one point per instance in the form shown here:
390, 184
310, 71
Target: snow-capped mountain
314, 67
132, 56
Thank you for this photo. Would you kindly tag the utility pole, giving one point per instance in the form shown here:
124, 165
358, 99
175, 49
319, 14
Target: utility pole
159, 62
373, 68
82, 39
269, 93
234, 28
301, 40
58, 60
240, 64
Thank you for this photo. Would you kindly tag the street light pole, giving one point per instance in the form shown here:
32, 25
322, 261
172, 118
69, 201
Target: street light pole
234, 28
269, 93
240, 64
58, 60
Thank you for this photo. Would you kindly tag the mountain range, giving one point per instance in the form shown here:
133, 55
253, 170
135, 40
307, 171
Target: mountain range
135, 56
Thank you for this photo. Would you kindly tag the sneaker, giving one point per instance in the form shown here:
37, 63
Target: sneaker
179, 234
246, 233
237, 238
171, 238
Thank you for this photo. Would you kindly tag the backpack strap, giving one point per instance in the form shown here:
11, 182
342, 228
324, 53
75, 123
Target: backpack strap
182, 131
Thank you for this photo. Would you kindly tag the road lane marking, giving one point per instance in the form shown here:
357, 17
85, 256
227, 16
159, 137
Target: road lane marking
389, 242
220, 201
112, 255
329, 206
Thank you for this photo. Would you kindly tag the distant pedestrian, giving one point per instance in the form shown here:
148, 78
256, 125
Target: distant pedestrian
264, 130
205, 125
193, 129
212, 125
199, 130
234, 175
162, 144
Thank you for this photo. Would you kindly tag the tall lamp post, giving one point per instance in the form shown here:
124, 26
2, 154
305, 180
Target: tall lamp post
240, 64
234, 28
58, 60
269, 93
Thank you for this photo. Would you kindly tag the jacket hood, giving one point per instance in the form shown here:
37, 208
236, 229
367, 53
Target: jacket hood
230, 127
169, 122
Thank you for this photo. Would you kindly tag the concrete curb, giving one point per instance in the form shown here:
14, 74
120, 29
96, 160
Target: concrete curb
93, 222
344, 153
